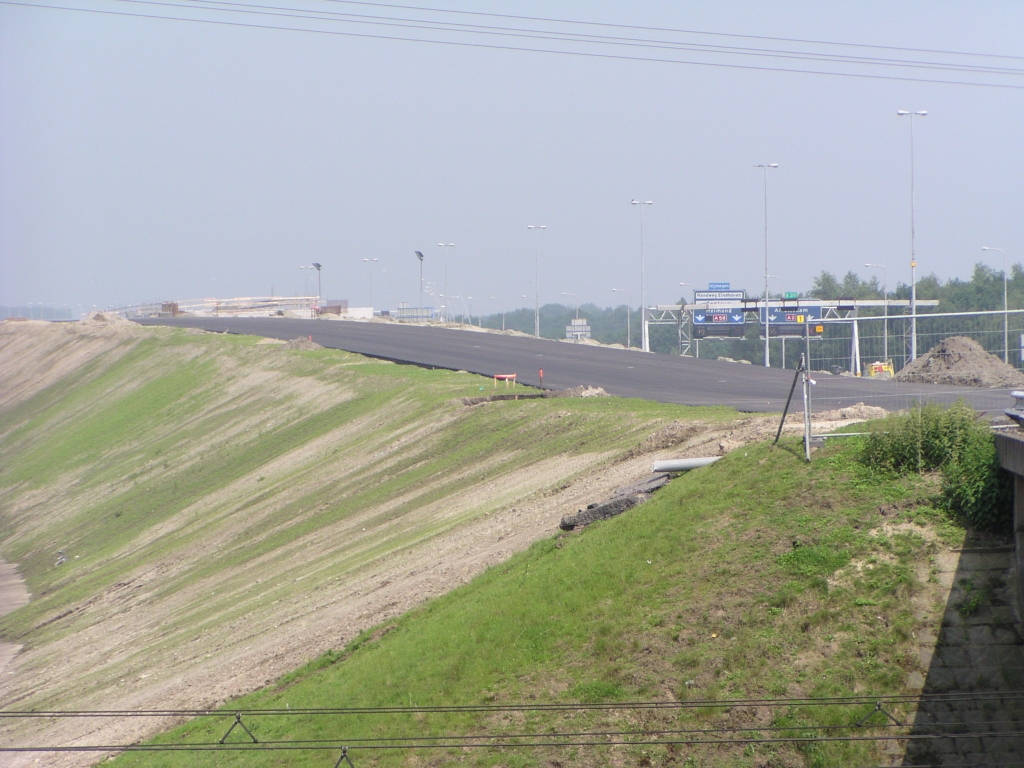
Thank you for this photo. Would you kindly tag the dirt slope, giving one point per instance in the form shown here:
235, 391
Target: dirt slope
344, 492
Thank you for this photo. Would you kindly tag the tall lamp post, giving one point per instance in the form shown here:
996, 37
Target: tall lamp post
447, 301
369, 264
577, 303
782, 292
913, 254
885, 313
644, 344
767, 354
623, 290
419, 256
536, 276
1006, 334
316, 266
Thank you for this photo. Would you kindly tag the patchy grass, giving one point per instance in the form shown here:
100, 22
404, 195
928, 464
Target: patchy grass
198, 482
757, 577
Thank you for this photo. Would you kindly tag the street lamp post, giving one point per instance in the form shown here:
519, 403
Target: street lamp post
316, 265
885, 313
913, 254
1006, 334
782, 292
644, 344
419, 256
623, 290
767, 354
536, 276
564, 293
369, 263
447, 301
465, 309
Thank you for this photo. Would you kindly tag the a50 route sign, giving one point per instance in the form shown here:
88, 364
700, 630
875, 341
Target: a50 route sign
718, 321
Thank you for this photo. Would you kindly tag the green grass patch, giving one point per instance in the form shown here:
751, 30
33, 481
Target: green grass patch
699, 594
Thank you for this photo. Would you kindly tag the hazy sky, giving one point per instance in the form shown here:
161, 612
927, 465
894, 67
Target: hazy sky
147, 159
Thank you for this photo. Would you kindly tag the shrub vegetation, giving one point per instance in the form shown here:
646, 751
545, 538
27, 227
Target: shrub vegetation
954, 442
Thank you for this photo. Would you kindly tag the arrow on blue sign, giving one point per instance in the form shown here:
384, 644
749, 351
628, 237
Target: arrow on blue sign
699, 318
737, 318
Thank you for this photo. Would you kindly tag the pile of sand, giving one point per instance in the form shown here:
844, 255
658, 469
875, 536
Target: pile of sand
104, 318
301, 343
583, 390
855, 412
962, 362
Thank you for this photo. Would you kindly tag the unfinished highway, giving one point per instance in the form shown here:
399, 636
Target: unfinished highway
663, 378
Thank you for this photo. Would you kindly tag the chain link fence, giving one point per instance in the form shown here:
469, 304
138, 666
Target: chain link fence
880, 338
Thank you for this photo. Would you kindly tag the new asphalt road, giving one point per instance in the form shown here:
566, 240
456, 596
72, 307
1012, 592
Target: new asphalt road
663, 378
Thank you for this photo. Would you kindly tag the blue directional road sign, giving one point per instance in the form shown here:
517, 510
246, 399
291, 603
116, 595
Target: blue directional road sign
718, 316
718, 321
789, 316
718, 286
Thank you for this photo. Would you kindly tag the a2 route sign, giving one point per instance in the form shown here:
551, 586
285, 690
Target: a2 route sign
805, 314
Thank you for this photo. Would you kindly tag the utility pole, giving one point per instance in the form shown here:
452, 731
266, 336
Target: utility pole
767, 320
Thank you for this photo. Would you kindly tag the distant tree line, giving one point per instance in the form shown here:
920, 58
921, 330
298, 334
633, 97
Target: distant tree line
984, 291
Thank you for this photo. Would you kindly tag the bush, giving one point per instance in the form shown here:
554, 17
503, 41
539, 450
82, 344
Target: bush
924, 439
974, 487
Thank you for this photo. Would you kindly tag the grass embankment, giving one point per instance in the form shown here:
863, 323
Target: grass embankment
757, 577
226, 507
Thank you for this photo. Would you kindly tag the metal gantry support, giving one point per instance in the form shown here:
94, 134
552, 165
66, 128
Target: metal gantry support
671, 314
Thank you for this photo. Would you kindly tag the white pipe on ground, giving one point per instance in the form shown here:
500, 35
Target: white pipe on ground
681, 465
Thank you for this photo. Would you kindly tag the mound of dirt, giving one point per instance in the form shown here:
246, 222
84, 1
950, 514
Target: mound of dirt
301, 343
104, 318
674, 434
963, 362
583, 390
858, 412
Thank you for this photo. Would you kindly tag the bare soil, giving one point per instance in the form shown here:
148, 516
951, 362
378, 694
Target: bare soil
301, 343
963, 362
13, 595
243, 653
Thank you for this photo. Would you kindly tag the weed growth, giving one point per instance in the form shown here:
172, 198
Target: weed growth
953, 441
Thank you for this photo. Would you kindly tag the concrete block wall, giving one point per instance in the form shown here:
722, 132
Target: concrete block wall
1010, 446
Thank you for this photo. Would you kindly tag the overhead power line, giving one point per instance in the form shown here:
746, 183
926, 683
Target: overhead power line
561, 36
929, 698
859, 730
672, 30
494, 46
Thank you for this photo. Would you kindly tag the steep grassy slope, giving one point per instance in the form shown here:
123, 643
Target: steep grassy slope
197, 514
757, 577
